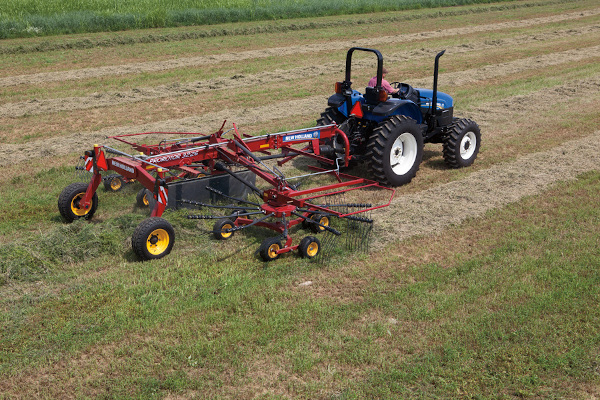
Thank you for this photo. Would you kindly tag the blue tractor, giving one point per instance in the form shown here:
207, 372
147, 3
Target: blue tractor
389, 132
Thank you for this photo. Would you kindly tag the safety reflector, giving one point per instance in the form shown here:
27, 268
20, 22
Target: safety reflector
162, 195
101, 163
89, 164
357, 110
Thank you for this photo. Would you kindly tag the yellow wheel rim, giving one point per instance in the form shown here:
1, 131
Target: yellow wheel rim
224, 233
80, 212
273, 249
312, 249
158, 241
115, 184
145, 199
323, 221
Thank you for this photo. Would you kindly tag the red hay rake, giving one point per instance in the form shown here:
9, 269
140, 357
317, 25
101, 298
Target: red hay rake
283, 205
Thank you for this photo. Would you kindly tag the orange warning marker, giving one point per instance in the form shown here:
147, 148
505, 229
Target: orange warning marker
101, 163
357, 110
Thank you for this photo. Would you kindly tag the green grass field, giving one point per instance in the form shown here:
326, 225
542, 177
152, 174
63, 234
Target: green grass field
481, 282
517, 317
50, 17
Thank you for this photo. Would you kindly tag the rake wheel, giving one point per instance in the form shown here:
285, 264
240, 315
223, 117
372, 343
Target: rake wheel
68, 202
269, 248
153, 238
113, 183
221, 227
309, 247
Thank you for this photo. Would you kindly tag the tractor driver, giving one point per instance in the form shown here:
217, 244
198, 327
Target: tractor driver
385, 84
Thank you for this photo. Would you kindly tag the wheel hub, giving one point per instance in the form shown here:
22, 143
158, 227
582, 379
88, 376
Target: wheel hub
403, 153
467, 145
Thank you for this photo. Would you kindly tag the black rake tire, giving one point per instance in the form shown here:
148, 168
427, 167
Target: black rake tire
462, 143
153, 239
113, 183
68, 202
395, 151
145, 199
321, 219
221, 227
268, 249
309, 247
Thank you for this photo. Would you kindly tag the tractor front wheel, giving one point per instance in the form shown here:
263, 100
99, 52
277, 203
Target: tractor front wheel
462, 143
69, 199
153, 239
395, 151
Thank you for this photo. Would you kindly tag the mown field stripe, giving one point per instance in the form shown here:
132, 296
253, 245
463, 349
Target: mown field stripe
60, 43
184, 87
484, 114
484, 190
96, 72
15, 110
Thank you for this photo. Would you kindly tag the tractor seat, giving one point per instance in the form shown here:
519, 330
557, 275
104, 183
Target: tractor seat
372, 96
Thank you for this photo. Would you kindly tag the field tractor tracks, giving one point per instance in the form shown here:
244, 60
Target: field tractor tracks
187, 62
487, 116
34, 107
436, 208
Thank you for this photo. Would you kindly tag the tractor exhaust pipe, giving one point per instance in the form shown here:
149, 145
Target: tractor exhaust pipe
435, 85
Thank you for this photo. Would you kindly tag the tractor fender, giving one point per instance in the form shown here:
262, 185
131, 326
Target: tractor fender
336, 100
399, 107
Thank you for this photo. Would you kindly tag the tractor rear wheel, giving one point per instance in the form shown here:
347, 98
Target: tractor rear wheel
395, 151
462, 143
68, 202
153, 239
333, 116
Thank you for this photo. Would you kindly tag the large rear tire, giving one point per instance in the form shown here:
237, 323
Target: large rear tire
68, 202
153, 238
462, 143
395, 151
333, 116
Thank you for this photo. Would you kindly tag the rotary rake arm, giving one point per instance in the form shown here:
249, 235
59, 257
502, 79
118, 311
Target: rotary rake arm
282, 206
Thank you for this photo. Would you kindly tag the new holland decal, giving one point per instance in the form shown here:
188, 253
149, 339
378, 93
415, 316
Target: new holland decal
302, 136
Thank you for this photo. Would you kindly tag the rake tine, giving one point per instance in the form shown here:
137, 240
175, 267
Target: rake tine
237, 228
197, 216
328, 228
229, 207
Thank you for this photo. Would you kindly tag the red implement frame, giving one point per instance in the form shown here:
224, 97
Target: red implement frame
206, 155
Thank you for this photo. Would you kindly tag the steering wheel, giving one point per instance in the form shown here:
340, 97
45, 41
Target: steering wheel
404, 89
